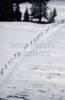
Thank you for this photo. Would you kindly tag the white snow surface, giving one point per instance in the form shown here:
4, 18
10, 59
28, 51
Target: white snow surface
32, 59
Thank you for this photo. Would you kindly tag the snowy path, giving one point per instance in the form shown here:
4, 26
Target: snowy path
39, 74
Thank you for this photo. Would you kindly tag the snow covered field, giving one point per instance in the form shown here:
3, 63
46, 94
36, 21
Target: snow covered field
32, 60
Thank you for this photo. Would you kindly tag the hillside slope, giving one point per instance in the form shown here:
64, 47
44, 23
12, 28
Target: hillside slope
35, 59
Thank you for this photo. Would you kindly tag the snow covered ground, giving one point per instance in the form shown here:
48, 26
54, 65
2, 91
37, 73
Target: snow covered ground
32, 60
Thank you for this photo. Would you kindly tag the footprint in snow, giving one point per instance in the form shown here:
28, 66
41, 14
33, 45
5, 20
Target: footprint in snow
2, 70
6, 66
9, 62
19, 54
34, 40
31, 42
47, 29
26, 46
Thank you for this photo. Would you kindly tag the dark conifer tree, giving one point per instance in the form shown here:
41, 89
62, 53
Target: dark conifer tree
17, 13
39, 9
26, 15
53, 14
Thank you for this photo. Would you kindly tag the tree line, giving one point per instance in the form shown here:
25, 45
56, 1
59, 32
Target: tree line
10, 11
